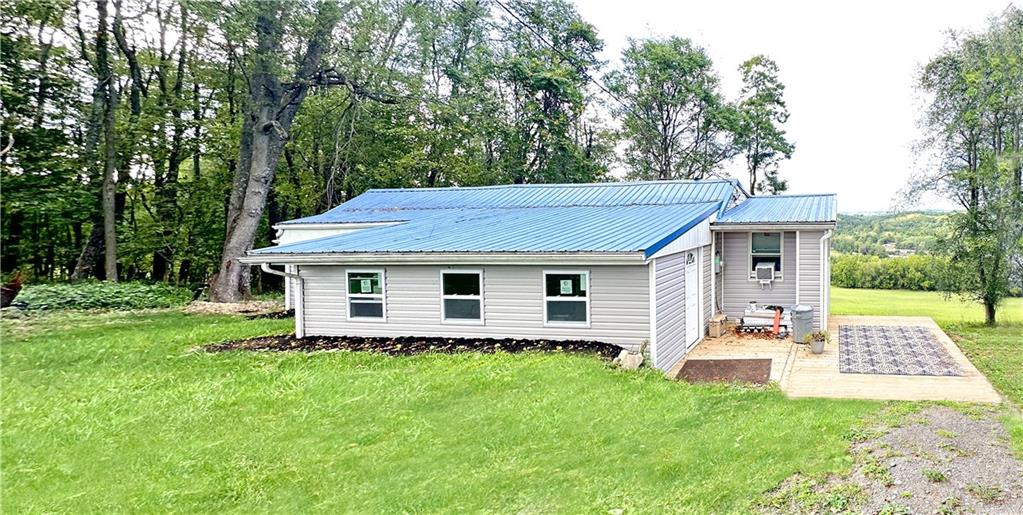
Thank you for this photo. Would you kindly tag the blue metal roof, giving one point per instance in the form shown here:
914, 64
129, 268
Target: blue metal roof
384, 205
624, 228
783, 209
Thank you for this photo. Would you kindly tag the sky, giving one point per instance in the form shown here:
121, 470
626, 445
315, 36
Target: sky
849, 70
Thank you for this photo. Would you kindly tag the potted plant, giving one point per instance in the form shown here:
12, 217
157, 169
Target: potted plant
817, 339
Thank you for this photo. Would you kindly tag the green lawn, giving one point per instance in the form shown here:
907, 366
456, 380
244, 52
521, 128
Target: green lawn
849, 301
113, 412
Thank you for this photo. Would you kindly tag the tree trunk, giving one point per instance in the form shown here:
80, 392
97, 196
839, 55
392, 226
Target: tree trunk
110, 144
989, 313
271, 109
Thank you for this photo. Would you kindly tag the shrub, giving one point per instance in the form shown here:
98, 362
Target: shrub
917, 272
103, 295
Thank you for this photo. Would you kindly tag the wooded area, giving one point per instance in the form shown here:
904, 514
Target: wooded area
162, 139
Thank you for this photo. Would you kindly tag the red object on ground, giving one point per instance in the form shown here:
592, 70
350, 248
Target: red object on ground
777, 321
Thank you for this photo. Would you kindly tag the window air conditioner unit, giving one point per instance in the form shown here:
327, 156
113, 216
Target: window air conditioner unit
765, 274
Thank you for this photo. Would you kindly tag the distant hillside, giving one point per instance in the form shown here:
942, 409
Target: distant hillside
888, 234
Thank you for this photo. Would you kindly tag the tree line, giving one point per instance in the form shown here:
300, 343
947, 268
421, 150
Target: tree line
161, 139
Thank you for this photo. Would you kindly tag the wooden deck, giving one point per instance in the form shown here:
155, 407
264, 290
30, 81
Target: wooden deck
800, 373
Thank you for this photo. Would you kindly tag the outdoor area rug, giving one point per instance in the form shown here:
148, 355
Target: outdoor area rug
893, 350
756, 371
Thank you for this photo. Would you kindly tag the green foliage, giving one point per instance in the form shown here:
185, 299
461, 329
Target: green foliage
972, 125
114, 412
817, 336
986, 493
917, 272
675, 119
902, 232
934, 476
762, 112
103, 295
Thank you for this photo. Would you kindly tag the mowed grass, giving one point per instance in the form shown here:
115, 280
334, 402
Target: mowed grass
995, 351
114, 412
945, 311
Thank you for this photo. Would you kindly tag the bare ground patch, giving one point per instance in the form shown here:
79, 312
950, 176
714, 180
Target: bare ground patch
249, 307
940, 460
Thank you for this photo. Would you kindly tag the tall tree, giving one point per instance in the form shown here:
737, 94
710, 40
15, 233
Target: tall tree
974, 124
674, 118
270, 109
762, 112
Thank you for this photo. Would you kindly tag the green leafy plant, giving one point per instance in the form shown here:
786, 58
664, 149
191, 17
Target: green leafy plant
103, 295
817, 336
934, 476
986, 493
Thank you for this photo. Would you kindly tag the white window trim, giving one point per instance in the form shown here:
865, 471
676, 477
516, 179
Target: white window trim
779, 276
586, 299
462, 321
382, 295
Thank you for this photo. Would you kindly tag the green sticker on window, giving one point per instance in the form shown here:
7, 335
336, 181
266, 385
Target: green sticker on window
566, 286
366, 286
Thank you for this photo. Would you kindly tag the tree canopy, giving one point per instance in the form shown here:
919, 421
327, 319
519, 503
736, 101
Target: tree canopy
162, 139
974, 132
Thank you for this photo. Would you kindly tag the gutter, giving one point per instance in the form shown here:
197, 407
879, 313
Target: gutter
767, 226
431, 258
265, 266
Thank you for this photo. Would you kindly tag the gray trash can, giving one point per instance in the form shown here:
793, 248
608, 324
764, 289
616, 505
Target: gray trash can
802, 322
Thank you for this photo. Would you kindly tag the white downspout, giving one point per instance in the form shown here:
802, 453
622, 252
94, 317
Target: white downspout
798, 245
299, 304
825, 276
713, 276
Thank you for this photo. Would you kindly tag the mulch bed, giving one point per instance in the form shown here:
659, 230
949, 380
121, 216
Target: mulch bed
757, 371
409, 345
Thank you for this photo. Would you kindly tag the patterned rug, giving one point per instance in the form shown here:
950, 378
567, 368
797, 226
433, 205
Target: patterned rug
893, 350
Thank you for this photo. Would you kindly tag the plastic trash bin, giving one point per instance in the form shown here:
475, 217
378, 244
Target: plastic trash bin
802, 322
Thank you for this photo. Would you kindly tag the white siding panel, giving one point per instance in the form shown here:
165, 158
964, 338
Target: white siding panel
512, 304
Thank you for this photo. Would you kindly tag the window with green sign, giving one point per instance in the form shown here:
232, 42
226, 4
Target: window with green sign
365, 294
566, 297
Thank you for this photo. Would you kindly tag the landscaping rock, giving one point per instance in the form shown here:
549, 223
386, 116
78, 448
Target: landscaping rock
627, 360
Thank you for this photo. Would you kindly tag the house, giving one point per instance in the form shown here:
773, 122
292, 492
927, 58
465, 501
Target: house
625, 263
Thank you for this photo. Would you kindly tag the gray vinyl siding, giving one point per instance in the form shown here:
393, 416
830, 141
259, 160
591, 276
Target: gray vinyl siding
670, 285
810, 272
737, 290
670, 319
512, 304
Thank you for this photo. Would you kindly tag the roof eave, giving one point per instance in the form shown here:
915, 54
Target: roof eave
447, 258
747, 226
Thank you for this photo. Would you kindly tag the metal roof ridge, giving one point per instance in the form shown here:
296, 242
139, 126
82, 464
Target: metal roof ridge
796, 195
560, 185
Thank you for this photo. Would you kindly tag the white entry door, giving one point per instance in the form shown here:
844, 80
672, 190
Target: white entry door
692, 298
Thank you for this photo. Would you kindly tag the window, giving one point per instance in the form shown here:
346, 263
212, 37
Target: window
765, 247
365, 294
566, 298
461, 296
